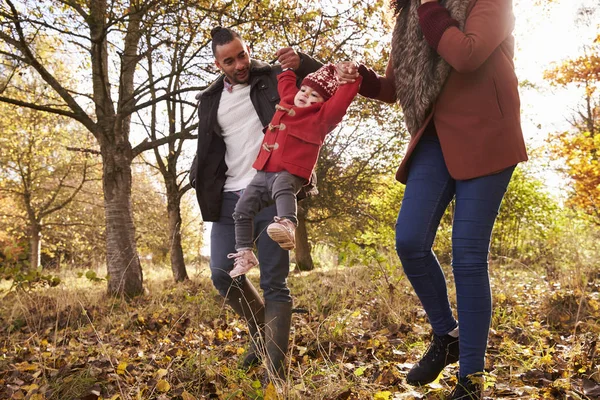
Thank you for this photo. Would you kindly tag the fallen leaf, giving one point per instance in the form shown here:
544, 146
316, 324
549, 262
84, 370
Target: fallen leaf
271, 392
187, 396
385, 395
121, 368
161, 373
163, 386
18, 395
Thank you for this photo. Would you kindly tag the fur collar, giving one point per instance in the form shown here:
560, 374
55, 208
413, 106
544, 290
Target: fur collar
419, 71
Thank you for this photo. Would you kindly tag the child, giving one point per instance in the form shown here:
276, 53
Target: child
288, 155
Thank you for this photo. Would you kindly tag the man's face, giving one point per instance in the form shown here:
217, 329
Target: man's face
233, 59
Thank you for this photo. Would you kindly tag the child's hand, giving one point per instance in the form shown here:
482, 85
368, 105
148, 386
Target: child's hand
288, 58
346, 71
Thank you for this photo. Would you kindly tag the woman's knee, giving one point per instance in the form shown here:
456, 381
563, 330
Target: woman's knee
470, 255
409, 246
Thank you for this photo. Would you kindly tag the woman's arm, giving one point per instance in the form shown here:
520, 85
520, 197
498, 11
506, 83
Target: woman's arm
373, 86
489, 23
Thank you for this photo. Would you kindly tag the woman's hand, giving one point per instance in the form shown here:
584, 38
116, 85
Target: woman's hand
427, 1
346, 71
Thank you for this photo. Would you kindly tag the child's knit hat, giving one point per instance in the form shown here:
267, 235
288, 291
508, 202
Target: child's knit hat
323, 80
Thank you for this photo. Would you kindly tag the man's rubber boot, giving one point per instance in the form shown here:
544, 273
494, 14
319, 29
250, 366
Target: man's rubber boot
247, 303
278, 321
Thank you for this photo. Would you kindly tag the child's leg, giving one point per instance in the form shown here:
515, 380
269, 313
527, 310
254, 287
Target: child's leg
284, 188
254, 199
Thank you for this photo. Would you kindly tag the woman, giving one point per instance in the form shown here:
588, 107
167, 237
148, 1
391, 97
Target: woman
452, 72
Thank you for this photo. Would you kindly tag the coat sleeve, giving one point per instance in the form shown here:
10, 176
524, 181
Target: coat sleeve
489, 23
193, 171
378, 87
286, 86
334, 109
193, 174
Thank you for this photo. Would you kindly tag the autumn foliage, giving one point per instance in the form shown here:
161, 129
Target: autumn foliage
579, 147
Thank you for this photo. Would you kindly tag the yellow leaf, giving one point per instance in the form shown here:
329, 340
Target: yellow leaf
271, 392
121, 368
546, 359
186, 396
385, 395
161, 373
25, 366
163, 386
31, 387
240, 351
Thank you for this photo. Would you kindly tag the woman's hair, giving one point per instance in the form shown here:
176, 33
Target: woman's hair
398, 5
221, 36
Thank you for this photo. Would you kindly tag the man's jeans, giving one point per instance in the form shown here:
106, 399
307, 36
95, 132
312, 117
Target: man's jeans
429, 190
274, 262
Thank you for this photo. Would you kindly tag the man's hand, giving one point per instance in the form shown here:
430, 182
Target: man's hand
288, 58
346, 71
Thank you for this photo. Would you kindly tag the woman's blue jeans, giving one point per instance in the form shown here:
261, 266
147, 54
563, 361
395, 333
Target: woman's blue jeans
429, 190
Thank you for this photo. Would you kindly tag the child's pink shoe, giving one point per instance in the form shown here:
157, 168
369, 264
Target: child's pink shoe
244, 261
283, 231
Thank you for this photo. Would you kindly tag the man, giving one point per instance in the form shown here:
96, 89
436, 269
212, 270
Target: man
232, 113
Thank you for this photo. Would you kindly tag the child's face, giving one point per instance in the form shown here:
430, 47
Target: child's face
307, 96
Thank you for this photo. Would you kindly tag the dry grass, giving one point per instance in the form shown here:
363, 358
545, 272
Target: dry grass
356, 332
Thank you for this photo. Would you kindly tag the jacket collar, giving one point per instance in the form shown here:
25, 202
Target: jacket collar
419, 72
257, 68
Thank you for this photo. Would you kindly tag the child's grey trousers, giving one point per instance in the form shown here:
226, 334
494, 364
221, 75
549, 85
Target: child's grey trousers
264, 189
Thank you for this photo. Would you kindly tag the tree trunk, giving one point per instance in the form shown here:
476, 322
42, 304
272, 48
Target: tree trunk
304, 260
175, 249
123, 264
35, 244
112, 132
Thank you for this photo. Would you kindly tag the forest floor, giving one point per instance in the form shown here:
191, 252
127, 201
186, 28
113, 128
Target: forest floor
356, 332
